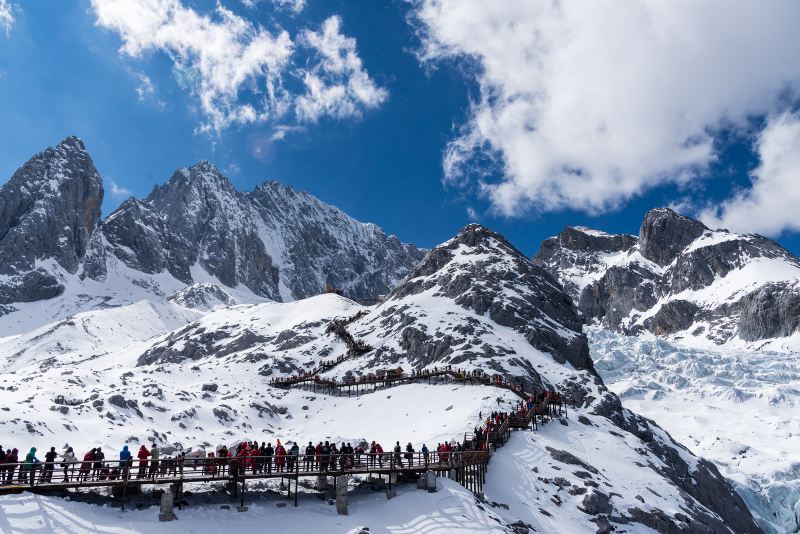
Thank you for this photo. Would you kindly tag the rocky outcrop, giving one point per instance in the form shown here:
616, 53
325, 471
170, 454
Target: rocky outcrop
202, 297
579, 254
771, 311
710, 283
672, 317
664, 234
49, 210
280, 243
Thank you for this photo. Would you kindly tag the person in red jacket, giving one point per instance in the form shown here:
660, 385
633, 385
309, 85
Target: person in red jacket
86, 466
318, 455
280, 456
143, 455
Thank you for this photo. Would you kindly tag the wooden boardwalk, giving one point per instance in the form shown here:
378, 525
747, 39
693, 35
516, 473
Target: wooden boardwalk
467, 467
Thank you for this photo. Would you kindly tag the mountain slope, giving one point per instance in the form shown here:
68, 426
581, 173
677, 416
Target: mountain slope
475, 302
272, 243
683, 281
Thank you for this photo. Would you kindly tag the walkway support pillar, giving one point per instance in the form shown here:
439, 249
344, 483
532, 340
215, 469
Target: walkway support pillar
341, 494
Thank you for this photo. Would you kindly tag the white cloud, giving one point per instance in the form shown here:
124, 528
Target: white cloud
338, 85
118, 191
586, 103
217, 56
6, 16
772, 203
237, 68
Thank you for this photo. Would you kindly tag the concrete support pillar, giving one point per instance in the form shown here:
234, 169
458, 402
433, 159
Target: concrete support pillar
341, 495
430, 479
167, 502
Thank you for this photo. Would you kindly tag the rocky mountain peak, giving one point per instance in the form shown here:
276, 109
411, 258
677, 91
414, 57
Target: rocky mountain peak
49, 209
665, 233
482, 272
72, 143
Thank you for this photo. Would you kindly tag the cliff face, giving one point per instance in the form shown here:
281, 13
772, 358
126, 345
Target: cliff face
275, 242
679, 279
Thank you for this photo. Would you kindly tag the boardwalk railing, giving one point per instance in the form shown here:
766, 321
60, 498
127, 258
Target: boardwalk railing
469, 468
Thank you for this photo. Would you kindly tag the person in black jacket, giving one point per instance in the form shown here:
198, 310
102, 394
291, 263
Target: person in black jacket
397, 458
49, 464
325, 458
308, 461
269, 452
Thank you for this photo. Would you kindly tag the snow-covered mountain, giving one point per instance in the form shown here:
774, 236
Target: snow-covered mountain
274, 242
683, 281
200, 375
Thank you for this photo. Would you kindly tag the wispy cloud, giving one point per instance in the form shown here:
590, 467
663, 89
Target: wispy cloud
236, 68
146, 91
6, 16
117, 191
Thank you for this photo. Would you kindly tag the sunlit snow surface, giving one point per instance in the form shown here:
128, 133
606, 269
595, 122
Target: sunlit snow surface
740, 409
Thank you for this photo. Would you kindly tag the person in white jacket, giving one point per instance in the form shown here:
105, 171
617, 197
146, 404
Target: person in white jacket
67, 462
154, 455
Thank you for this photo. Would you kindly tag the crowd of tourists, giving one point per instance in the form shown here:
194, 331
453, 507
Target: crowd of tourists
252, 457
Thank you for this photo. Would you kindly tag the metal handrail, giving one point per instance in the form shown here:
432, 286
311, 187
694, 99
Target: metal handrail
167, 470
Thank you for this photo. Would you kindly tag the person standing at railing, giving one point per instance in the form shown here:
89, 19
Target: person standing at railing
409, 454
154, 455
325, 456
308, 459
425, 453
29, 467
49, 464
142, 455
268, 453
86, 466
99, 462
280, 457
67, 461
294, 457
125, 460
11, 465
398, 460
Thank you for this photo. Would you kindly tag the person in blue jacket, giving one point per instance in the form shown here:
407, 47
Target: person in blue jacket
125, 459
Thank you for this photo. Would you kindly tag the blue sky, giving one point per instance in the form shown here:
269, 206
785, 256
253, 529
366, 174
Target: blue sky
63, 72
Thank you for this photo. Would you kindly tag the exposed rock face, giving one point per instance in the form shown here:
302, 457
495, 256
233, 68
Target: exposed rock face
664, 234
679, 279
48, 210
580, 254
771, 311
481, 272
279, 243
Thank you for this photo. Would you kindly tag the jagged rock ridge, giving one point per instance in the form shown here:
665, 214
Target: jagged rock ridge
679, 278
276, 242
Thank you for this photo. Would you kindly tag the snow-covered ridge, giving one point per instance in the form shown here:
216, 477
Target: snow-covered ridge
681, 280
273, 242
